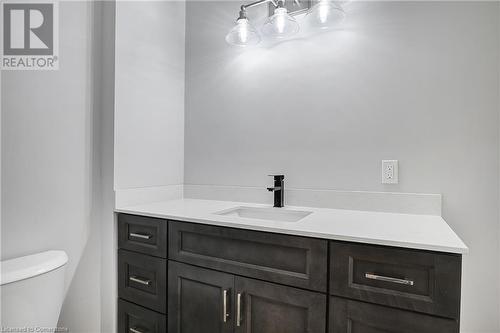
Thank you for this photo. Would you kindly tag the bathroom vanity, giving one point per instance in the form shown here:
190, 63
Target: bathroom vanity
204, 272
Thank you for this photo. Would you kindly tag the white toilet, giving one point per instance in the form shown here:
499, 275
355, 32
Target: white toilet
32, 290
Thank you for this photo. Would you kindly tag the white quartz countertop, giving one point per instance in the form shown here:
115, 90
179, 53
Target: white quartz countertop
424, 232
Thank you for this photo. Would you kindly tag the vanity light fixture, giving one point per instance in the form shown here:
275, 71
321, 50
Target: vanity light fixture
281, 24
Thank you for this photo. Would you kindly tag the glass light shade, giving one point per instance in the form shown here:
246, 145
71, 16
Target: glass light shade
242, 34
326, 14
280, 25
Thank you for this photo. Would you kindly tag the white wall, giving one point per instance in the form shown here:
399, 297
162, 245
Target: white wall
149, 100
499, 154
104, 31
82, 310
49, 171
417, 82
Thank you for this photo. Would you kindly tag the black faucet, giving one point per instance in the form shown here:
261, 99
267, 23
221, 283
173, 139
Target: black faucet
279, 190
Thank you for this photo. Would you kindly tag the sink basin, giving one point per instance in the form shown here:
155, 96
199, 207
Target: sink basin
263, 213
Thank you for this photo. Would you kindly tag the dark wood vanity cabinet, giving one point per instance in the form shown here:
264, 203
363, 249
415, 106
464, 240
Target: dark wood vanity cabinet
181, 277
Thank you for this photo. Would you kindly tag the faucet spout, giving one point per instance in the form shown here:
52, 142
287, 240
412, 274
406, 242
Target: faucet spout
276, 188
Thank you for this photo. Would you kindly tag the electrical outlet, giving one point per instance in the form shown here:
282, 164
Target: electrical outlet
390, 172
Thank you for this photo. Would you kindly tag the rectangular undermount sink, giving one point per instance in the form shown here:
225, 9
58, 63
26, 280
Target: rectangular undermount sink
264, 213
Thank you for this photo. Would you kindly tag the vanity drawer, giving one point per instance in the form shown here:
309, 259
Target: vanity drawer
136, 319
142, 234
421, 281
348, 316
289, 260
142, 279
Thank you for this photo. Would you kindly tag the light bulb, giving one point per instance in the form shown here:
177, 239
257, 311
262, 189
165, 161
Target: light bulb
243, 33
325, 14
280, 25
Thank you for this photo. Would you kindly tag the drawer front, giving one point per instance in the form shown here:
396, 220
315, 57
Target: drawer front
142, 279
290, 260
348, 316
142, 234
136, 319
415, 280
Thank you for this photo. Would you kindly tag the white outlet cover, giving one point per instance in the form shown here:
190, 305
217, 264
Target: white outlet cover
390, 172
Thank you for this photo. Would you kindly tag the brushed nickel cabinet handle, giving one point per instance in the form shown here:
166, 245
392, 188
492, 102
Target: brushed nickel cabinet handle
225, 314
372, 276
238, 309
135, 330
138, 235
140, 280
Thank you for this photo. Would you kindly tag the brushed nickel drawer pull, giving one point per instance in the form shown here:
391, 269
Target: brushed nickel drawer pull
135, 330
140, 280
138, 235
372, 276
238, 309
225, 315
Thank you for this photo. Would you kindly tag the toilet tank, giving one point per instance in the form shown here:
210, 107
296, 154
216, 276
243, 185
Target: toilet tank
32, 290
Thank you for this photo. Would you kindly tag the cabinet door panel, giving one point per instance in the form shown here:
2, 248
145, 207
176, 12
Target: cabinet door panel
270, 308
348, 316
196, 298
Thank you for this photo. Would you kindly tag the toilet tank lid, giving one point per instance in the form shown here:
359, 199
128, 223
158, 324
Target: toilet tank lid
21, 268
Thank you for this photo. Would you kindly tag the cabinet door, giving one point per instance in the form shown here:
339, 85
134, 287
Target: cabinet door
348, 316
263, 307
199, 300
